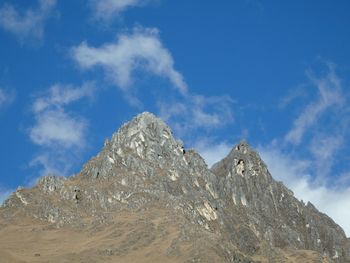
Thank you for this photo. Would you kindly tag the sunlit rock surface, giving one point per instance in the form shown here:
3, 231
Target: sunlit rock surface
178, 209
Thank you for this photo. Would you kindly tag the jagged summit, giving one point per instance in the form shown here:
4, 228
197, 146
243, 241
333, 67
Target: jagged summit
142, 123
143, 141
242, 158
145, 122
183, 211
146, 134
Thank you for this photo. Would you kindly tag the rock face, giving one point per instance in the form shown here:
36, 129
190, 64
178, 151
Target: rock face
233, 212
270, 209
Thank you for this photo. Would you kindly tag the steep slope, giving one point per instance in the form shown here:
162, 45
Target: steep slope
145, 198
271, 210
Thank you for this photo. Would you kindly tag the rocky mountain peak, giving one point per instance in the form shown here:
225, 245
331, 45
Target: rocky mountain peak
146, 136
145, 122
236, 208
145, 143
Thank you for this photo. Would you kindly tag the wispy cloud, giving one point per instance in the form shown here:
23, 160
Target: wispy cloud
58, 127
322, 125
57, 130
54, 126
212, 151
60, 95
319, 134
106, 10
142, 50
28, 24
197, 111
324, 149
52, 162
329, 95
6, 97
4, 194
293, 95
297, 175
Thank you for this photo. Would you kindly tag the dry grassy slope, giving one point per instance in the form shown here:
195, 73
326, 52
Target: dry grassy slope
151, 236
144, 236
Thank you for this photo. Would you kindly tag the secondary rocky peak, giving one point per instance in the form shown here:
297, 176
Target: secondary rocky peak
243, 145
271, 209
242, 160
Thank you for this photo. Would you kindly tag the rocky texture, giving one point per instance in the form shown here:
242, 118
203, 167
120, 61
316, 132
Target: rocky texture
270, 209
234, 212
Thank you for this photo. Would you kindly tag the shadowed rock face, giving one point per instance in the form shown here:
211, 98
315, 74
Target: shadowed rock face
233, 212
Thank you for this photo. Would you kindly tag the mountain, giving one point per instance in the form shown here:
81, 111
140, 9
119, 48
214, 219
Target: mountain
145, 198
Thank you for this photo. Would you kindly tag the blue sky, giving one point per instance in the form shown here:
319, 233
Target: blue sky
274, 73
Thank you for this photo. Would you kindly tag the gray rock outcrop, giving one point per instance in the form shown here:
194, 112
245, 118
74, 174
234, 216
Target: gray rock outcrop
237, 202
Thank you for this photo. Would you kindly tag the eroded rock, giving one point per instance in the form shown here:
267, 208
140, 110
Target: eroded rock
237, 205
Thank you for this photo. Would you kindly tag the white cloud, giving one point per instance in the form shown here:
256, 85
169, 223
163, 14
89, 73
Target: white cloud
212, 152
6, 97
295, 174
54, 126
143, 50
56, 163
29, 24
60, 133
107, 9
197, 111
4, 194
294, 94
58, 96
140, 50
284, 167
329, 95
320, 133
57, 127
322, 125
324, 148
